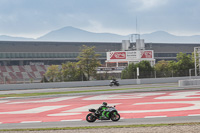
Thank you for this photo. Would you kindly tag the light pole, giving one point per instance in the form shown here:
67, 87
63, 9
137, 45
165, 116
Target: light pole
138, 73
190, 72
196, 53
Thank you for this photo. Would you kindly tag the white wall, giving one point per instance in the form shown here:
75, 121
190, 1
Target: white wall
89, 83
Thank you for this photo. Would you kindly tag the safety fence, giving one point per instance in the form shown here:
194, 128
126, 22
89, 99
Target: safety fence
35, 74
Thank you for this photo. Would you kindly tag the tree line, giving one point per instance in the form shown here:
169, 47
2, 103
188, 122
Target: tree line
162, 68
82, 70
86, 68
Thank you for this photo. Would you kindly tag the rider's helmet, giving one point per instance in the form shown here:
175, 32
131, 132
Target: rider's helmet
104, 103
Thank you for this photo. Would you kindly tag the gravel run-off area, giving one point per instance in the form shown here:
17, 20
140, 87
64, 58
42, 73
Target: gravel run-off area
162, 129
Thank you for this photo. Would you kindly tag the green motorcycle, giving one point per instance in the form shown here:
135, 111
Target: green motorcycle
111, 114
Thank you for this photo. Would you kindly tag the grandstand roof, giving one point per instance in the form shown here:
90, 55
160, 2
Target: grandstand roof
35, 46
171, 47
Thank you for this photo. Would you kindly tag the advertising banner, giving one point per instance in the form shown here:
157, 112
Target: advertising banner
146, 54
129, 55
117, 55
132, 55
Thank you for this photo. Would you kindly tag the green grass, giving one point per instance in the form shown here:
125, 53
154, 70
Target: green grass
98, 127
69, 92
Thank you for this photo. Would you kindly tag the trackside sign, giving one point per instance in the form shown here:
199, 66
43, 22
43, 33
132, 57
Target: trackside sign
146, 54
129, 55
117, 55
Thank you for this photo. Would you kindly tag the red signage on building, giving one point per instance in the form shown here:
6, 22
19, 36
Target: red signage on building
146, 54
117, 55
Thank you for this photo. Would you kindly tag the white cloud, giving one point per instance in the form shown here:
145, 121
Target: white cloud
153, 3
36, 17
143, 5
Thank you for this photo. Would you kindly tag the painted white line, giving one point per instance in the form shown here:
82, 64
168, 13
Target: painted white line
122, 96
192, 105
155, 116
30, 121
10, 97
48, 100
64, 114
73, 120
85, 108
4, 101
35, 110
181, 95
194, 115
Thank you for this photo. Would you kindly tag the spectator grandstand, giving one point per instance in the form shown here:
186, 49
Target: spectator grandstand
26, 73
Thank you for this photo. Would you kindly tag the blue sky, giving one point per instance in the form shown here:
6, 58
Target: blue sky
34, 18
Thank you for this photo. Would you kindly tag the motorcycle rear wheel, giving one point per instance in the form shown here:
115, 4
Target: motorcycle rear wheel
91, 118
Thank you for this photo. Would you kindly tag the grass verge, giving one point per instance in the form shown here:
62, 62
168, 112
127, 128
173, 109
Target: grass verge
98, 127
69, 92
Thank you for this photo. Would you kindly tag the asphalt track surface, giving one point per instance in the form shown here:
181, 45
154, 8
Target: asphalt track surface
151, 104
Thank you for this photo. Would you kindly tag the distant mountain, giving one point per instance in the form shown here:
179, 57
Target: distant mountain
74, 34
71, 34
10, 38
165, 37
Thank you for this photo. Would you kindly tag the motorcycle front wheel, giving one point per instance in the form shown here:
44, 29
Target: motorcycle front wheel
115, 116
91, 118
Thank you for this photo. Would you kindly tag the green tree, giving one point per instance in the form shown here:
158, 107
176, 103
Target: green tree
173, 68
129, 72
44, 79
144, 66
145, 70
161, 66
53, 73
71, 72
184, 63
172, 65
88, 61
164, 68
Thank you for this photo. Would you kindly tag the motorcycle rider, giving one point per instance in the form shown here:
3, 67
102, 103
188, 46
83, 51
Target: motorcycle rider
102, 110
114, 81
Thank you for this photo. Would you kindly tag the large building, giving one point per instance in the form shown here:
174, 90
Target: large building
27, 53
47, 53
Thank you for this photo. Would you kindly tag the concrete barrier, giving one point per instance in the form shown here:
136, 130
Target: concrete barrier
93, 83
189, 82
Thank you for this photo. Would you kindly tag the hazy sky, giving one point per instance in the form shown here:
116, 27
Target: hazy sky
33, 18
